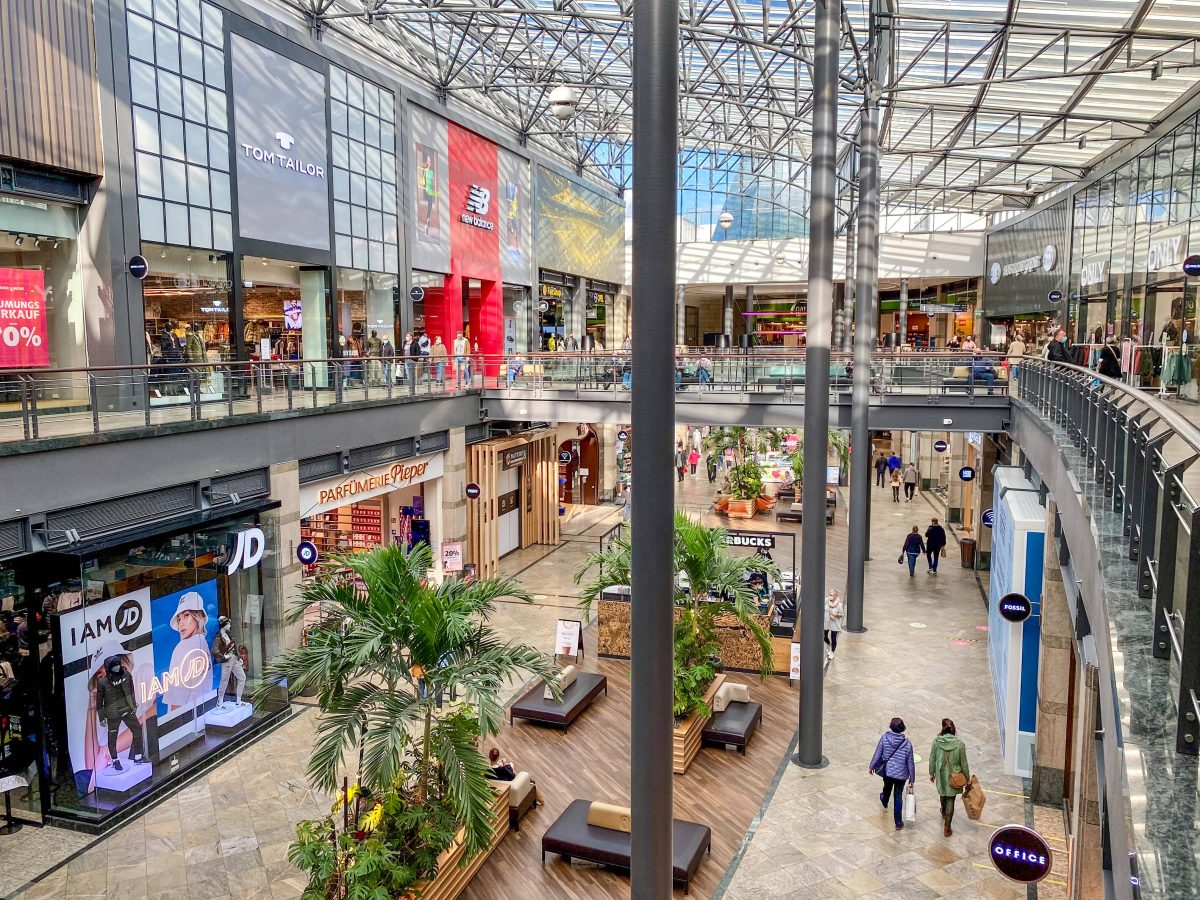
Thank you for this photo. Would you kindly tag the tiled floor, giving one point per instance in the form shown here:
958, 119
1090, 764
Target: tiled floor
822, 834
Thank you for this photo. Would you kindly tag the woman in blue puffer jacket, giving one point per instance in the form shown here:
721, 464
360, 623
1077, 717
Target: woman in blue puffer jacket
893, 760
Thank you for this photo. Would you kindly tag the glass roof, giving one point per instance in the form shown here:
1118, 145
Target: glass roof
986, 103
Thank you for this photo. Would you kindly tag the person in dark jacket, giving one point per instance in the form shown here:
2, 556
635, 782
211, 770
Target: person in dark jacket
1058, 350
947, 758
935, 540
881, 467
680, 461
894, 762
913, 547
114, 706
1110, 359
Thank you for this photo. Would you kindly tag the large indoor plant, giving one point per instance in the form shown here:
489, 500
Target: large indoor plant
708, 569
390, 649
745, 487
838, 445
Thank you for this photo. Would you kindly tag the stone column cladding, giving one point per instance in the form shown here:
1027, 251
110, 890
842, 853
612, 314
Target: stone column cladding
454, 483
1054, 673
607, 435
283, 566
955, 496
1087, 852
680, 315
928, 461
575, 321
985, 501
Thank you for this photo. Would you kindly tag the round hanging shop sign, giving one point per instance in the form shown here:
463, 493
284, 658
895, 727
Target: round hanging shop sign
1015, 607
306, 552
1191, 265
1054, 296
941, 446
138, 267
543, 306
416, 293
989, 518
622, 435
564, 457
1021, 854
472, 491
966, 473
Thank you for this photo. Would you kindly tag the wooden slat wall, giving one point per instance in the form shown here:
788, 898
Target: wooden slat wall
539, 474
48, 84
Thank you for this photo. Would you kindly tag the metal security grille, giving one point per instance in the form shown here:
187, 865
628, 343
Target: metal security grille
256, 483
97, 519
365, 457
12, 539
317, 467
431, 443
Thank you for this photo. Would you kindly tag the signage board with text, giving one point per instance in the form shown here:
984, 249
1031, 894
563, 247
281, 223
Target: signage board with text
452, 556
321, 496
568, 638
23, 332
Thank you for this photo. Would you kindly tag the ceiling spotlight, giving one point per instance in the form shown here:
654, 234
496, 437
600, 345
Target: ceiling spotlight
563, 101
1082, 141
19, 240
725, 220
1157, 71
54, 246
37, 242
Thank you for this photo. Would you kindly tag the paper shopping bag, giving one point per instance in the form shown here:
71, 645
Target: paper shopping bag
910, 805
974, 799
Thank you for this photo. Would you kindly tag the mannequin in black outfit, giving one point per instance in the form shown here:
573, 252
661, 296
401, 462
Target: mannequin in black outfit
114, 705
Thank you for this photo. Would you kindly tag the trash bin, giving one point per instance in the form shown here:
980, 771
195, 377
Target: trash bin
967, 548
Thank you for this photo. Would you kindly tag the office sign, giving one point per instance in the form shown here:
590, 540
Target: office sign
1016, 608
1020, 854
757, 541
280, 147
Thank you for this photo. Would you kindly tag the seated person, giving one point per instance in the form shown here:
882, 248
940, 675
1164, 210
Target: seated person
982, 369
501, 768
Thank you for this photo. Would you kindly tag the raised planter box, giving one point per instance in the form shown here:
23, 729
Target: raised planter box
453, 876
686, 738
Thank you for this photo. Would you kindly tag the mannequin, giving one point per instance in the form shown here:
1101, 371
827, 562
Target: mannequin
225, 652
114, 705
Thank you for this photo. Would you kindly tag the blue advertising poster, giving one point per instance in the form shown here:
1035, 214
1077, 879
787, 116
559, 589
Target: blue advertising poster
185, 624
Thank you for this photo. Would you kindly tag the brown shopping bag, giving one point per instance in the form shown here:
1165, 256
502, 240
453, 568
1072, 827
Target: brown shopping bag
973, 799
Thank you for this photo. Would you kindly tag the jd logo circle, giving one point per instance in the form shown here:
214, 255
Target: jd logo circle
128, 617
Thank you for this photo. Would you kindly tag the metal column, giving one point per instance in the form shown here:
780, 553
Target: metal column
865, 320
655, 151
816, 379
903, 311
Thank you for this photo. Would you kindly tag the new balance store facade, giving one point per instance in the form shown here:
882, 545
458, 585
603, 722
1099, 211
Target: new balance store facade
470, 237
580, 239
132, 629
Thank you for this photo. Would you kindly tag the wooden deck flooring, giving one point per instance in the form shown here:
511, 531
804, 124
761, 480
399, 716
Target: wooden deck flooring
722, 789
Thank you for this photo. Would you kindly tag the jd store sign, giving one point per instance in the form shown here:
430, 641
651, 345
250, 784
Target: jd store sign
321, 496
246, 550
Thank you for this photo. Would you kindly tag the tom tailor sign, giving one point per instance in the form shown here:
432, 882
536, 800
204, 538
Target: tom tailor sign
321, 496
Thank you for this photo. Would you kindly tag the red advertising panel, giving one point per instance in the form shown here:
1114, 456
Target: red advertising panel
23, 338
475, 206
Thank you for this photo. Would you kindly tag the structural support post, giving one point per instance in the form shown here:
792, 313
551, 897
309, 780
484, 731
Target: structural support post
865, 319
903, 311
816, 381
655, 158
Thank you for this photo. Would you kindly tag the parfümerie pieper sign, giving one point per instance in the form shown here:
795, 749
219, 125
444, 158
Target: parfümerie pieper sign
1021, 854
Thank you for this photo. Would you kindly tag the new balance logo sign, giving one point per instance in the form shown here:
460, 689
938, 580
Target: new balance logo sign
286, 141
479, 201
247, 550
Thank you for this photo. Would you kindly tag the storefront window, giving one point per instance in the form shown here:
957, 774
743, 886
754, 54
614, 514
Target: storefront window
431, 287
147, 650
366, 315
555, 294
518, 319
39, 269
286, 314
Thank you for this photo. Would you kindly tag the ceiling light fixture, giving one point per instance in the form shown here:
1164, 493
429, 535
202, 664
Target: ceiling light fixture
1157, 71
54, 246
37, 242
563, 102
19, 240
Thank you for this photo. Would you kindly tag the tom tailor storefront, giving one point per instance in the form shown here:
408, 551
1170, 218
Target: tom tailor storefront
133, 664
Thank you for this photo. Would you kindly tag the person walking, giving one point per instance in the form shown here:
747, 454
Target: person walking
1016, 350
968, 344
935, 542
693, 461
913, 547
835, 611
893, 462
911, 477
893, 761
881, 471
1057, 350
710, 463
461, 362
1110, 359
680, 461
438, 356
895, 485
948, 770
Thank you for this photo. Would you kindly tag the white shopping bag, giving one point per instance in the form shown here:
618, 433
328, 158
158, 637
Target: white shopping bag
910, 805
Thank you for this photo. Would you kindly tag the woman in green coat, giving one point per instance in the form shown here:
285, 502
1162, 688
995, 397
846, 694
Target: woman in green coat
948, 758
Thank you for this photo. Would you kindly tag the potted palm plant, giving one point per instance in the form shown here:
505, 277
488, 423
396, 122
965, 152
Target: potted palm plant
745, 487
390, 651
715, 591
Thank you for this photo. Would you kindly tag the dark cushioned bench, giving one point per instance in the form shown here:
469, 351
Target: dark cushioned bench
572, 836
576, 698
735, 725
